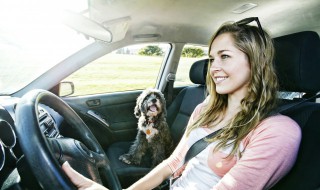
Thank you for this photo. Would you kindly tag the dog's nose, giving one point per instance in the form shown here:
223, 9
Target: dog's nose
154, 100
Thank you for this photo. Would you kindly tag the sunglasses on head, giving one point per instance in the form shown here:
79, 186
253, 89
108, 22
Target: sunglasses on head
249, 20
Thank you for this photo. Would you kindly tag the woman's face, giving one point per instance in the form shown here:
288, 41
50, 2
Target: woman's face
230, 69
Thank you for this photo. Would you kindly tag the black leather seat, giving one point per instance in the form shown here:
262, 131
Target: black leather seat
178, 115
298, 65
181, 108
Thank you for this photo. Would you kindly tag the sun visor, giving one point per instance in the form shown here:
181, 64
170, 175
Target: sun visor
86, 26
117, 27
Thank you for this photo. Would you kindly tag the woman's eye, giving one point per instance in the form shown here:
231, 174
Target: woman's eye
224, 56
211, 60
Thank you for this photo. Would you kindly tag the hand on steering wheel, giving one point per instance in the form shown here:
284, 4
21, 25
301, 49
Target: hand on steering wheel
79, 180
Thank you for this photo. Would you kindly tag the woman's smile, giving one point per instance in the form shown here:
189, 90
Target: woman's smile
220, 79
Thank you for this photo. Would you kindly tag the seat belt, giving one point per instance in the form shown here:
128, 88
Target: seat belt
194, 150
198, 146
170, 79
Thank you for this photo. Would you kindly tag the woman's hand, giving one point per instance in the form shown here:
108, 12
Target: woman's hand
81, 182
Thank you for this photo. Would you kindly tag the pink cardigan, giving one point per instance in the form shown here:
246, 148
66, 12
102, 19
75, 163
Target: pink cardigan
268, 153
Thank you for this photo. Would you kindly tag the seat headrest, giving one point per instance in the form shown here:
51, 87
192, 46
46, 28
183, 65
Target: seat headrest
297, 61
198, 71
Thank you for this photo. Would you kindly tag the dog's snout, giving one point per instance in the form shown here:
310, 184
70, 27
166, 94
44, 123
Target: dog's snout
154, 100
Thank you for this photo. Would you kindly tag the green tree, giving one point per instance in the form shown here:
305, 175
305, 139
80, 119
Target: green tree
151, 51
192, 52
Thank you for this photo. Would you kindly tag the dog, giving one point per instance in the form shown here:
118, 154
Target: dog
153, 135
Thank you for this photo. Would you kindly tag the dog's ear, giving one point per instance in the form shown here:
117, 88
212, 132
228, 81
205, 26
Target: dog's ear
137, 111
163, 102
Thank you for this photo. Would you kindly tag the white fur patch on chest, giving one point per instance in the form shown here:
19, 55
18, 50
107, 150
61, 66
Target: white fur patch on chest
150, 131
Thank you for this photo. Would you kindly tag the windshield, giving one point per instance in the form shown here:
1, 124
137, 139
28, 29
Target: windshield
33, 39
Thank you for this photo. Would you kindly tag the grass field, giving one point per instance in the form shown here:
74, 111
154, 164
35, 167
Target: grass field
121, 72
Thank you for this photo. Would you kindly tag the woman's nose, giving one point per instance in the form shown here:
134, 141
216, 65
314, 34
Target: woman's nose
215, 65
215, 69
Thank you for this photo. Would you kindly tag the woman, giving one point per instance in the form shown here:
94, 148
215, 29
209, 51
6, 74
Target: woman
255, 148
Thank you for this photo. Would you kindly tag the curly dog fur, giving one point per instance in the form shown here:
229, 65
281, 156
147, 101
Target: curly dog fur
153, 132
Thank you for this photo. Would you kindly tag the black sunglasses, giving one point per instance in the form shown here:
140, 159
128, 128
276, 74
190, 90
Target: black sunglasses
251, 19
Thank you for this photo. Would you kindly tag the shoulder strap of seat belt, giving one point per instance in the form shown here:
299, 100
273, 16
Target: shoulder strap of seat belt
194, 150
198, 146
170, 79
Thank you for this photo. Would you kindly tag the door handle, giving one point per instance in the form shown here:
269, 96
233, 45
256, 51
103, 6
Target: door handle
92, 103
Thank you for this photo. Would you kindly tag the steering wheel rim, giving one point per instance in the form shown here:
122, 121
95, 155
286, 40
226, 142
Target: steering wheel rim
40, 158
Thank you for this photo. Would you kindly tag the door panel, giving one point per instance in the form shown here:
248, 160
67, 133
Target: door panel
109, 116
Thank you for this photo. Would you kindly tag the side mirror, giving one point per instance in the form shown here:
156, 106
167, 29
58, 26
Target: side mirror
66, 88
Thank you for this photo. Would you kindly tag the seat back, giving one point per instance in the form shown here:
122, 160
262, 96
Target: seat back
297, 62
181, 108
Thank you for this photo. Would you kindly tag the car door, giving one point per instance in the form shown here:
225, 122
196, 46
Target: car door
105, 91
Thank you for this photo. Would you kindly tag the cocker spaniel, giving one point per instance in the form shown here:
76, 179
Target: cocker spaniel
153, 137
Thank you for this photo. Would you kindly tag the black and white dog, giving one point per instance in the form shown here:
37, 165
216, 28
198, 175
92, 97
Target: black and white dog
153, 132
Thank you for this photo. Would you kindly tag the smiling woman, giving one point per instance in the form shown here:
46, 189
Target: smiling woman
33, 39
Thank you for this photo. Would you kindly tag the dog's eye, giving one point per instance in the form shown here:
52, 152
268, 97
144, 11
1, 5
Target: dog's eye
146, 98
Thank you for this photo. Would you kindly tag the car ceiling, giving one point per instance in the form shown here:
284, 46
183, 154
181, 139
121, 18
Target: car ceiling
195, 21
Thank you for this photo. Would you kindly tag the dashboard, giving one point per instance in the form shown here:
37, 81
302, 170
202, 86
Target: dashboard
10, 152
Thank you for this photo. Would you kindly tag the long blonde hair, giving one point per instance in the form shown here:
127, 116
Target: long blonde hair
260, 99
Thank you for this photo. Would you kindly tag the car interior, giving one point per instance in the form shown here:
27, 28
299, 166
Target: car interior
297, 60
91, 131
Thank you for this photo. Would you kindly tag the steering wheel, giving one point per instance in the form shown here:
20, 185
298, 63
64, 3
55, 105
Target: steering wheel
45, 155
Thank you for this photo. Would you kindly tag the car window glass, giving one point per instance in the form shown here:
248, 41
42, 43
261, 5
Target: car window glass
129, 68
189, 55
33, 40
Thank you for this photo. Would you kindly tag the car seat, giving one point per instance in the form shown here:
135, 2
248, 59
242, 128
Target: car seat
178, 114
298, 65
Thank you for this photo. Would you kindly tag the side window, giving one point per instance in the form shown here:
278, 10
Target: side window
129, 68
189, 55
